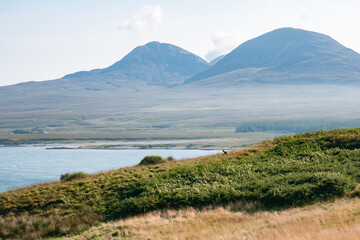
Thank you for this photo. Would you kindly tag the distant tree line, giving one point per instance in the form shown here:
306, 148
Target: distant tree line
25, 131
296, 126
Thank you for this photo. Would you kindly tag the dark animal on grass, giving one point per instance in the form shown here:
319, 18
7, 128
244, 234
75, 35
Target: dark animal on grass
225, 152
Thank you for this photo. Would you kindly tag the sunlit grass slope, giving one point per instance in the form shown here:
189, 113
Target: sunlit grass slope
285, 172
339, 220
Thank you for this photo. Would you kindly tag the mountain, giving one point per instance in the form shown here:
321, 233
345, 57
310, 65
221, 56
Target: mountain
136, 81
216, 60
287, 73
287, 55
156, 63
146, 68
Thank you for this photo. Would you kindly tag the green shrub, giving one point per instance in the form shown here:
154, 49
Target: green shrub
151, 160
72, 176
170, 158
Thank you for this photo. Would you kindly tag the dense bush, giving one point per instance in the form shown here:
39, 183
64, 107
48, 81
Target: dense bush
151, 160
72, 176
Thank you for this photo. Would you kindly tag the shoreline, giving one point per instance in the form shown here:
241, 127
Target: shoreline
138, 148
178, 144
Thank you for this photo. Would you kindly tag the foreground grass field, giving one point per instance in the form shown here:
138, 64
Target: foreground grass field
339, 220
276, 175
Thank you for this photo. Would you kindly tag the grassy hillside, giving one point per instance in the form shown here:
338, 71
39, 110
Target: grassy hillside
285, 172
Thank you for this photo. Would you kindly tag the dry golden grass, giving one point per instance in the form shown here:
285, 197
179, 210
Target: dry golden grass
338, 220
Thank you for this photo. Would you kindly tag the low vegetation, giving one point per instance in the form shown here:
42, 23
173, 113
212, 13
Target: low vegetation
296, 126
285, 172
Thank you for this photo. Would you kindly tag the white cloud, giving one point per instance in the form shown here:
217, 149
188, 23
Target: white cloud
148, 17
224, 42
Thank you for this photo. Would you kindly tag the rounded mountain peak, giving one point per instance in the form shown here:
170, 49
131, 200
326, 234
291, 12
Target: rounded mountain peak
154, 43
160, 48
287, 49
162, 57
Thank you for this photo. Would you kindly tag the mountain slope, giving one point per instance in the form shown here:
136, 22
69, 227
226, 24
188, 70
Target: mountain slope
156, 63
291, 51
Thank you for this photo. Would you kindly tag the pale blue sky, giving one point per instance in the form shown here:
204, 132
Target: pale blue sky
46, 39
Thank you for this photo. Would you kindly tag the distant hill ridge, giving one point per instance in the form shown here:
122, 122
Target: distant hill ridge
217, 59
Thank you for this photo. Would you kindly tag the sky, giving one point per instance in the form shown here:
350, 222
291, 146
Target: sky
47, 39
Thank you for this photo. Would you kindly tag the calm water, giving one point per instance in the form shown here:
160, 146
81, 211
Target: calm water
21, 166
